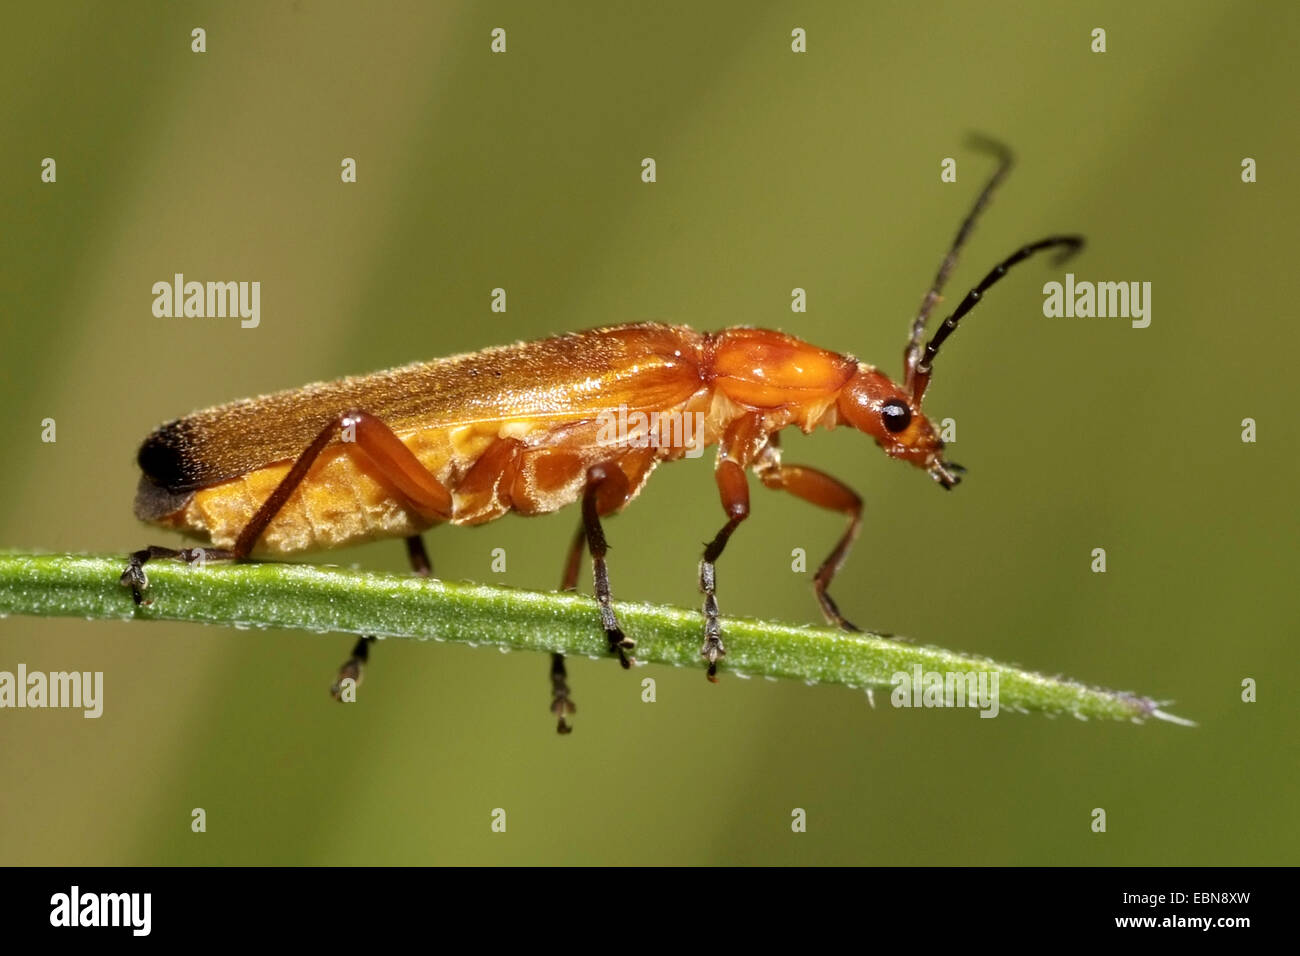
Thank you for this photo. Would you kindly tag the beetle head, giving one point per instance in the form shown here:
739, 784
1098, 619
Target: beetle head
871, 402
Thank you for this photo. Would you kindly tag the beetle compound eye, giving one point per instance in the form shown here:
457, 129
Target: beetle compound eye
896, 415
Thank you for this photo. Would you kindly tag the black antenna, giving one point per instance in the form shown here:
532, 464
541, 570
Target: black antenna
921, 377
912, 353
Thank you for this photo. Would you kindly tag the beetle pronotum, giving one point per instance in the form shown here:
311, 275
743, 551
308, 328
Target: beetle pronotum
467, 439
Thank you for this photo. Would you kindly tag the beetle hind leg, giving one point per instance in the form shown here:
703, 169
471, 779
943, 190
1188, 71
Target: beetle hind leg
375, 440
353, 668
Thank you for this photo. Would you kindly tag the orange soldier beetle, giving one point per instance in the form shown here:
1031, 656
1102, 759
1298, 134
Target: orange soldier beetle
467, 439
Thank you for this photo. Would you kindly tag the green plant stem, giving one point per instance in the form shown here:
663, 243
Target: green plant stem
329, 599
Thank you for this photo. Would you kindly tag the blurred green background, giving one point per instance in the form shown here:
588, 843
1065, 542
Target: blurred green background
775, 170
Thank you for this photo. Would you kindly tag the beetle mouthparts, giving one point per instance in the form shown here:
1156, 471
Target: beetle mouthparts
947, 473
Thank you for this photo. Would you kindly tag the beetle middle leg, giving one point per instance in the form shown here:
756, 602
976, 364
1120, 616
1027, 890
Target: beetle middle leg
734, 490
606, 491
744, 440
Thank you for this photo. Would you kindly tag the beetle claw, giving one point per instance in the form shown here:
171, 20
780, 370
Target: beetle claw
353, 671
620, 644
134, 576
562, 707
711, 651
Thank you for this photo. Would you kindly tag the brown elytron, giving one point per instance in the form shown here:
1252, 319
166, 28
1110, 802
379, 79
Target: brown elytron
527, 428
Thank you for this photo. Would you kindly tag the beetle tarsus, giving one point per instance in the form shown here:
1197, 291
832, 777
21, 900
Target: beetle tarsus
712, 648
711, 651
735, 498
620, 644
135, 578
561, 705
353, 669
831, 610
561, 725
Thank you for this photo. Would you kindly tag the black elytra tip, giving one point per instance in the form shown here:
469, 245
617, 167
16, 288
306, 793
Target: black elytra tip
164, 456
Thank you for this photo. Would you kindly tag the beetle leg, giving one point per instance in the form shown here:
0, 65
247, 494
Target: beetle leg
734, 491
353, 668
561, 705
135, 578
744, 439
393, 460
821, 489
606, 491
423, 492
418, 556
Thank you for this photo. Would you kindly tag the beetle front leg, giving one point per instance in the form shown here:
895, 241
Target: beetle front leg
606, 491
734, 490
821, 489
